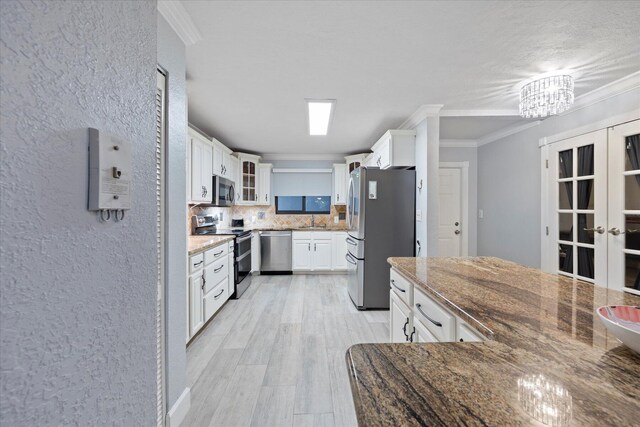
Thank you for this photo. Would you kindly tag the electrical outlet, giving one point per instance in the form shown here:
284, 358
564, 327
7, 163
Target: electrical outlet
336, 219
261, 215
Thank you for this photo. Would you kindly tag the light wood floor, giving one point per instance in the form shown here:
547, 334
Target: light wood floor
276, 356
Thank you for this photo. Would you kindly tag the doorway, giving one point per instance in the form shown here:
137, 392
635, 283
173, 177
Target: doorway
593, 199
453, 196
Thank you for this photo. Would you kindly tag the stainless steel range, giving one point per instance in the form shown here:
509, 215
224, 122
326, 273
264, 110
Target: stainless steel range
207, 225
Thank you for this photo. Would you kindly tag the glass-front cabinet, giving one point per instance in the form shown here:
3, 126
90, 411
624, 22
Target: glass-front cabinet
249, 169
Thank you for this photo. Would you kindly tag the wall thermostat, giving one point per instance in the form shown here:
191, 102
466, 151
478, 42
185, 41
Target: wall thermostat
110, 172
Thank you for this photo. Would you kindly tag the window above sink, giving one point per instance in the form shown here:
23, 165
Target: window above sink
303, 205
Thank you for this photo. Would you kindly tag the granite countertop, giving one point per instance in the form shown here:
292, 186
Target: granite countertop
540, 328
264, 228
197, 244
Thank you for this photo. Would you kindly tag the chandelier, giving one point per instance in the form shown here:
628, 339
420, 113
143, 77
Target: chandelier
547, 96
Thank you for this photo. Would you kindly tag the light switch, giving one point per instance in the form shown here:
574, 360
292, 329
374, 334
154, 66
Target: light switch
418, 214
373, 190
480, 213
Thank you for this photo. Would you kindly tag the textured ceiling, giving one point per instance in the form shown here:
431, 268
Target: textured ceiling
248, 77
475, 127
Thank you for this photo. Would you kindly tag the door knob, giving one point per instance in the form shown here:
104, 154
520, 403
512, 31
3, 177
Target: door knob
599, 230
615, 231
457, 231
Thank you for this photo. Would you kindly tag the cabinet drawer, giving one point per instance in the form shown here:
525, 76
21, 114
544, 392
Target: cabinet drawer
196, 263
421, 333
215, 298
299, 235
464, 333
402, 287
214, 273
436, 318
215, 254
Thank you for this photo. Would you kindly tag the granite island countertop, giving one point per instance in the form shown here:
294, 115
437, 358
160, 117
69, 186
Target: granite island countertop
541, 332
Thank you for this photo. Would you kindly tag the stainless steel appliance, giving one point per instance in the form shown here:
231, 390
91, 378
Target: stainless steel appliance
206, 225
380, 220
275, 251
224, 192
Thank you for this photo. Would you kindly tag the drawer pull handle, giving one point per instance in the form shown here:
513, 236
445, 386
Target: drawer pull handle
412, 334
218, 296
218, 269
419, 307
197, 263
404, 329
219, 253
397, 287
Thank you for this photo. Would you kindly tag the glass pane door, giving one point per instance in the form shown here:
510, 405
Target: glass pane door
624, 213
578, 171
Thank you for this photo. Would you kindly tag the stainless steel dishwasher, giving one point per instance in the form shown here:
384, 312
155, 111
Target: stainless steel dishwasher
275, 251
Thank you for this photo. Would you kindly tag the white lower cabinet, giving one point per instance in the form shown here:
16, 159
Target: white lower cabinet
399, 319
255, 252
301, 254
339, 251
421, 333
196, 319
321, 257
318, 251
416, 317
208, 287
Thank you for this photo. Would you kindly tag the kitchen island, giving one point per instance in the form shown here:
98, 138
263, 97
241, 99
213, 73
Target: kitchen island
546, 356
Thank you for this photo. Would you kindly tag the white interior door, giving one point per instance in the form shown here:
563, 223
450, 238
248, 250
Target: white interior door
578, 219
450, 200
624, 207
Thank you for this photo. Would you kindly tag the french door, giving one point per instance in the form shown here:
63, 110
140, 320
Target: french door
594, 187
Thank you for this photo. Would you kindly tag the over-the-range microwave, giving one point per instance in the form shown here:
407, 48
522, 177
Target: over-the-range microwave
224, 192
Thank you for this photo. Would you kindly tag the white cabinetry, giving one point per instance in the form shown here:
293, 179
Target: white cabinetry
354, 162
264, 184
339, 251
394, 148
400, 319
321, 257
209, 285
248, 178
311, 251
255, 252
423, 319
221, 160
201, 171
339, 184
301, 253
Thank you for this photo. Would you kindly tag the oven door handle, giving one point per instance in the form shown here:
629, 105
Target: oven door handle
243, 256
242, 239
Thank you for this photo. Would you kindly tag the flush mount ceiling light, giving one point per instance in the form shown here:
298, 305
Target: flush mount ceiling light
546, 96
320, 114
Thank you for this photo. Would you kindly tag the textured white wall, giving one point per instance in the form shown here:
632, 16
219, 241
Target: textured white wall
171, 57
78, 296
509, 181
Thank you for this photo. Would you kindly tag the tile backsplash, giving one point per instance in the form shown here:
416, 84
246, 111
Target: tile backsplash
265, 216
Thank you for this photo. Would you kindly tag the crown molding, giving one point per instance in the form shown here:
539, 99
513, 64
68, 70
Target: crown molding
458, 143
617, 87
303, 157
499, 134
478, 113
179, 19
424, 111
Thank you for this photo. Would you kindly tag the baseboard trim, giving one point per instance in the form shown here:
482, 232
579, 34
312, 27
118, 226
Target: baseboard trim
179, 410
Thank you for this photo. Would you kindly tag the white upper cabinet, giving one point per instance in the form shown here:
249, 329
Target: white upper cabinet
354, 162
396, 148
201, 168
248, 176
221, 160
339, 184
264, 184
233, 165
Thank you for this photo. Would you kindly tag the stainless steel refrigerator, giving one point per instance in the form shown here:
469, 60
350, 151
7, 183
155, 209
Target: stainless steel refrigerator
381, 224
